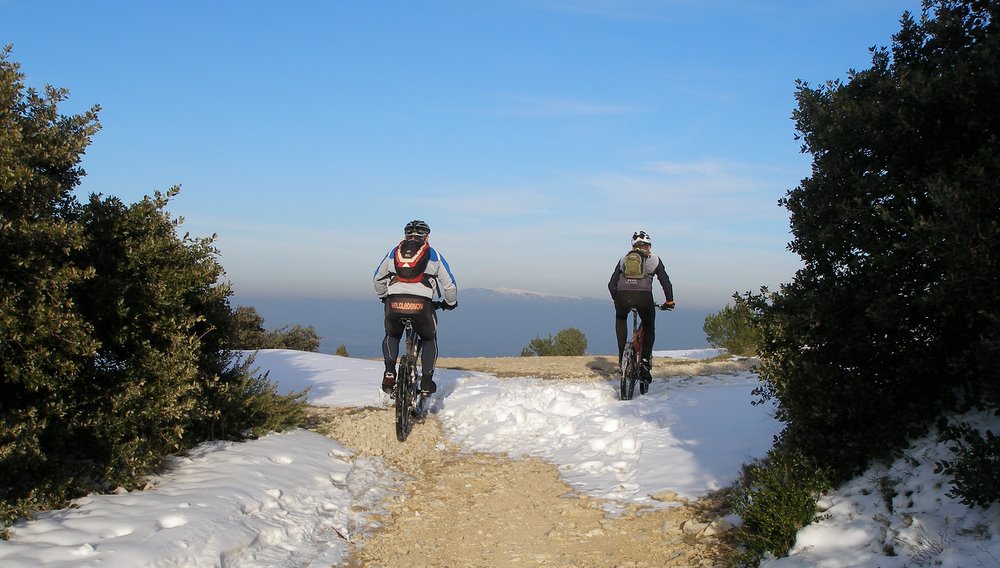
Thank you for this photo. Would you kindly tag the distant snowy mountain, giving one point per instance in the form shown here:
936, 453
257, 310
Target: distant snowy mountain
513, 292
489, 322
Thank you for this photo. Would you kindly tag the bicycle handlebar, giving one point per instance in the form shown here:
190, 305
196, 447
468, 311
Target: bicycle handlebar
662, 307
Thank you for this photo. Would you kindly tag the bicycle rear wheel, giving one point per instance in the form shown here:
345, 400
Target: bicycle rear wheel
404, 400
628, 373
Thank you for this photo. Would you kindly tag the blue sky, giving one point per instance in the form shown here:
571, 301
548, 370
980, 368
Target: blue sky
533, 136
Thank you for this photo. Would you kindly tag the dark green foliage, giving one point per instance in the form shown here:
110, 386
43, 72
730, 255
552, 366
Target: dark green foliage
570, 341
975, 472
114, 331
142, 385
242, 402
897, 307
250, 333
42, 335
539, 347
894, 316
296, 337
733, 329
775, 499
342, 351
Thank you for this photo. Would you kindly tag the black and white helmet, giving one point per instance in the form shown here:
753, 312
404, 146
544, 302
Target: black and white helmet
416, 227
641, 238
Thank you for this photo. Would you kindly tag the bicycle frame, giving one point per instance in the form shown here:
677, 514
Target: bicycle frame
410, 402
632, 359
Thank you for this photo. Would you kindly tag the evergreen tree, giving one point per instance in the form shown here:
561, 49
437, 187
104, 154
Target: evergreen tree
250, 333
161, 319
570, 341
733, 329
895, 315
896, 310
297, 337
42, 334
115, 332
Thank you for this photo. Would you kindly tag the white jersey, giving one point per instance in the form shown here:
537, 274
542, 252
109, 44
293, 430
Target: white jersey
438, 280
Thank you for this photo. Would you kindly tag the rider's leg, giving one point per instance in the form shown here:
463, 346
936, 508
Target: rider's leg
620, 324
621, 315
426, 327
390, 348
647, 314
428, 358
390, 353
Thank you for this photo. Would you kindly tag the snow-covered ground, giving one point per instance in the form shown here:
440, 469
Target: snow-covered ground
295, 498
703, 353
923, 526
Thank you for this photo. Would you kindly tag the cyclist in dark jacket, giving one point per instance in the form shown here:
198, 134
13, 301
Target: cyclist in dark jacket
635, 289
407, 279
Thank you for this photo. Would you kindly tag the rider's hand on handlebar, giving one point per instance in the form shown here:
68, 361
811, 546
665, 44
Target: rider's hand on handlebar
447, 306
668, 305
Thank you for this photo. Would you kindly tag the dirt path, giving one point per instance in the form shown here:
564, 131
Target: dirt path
465, 510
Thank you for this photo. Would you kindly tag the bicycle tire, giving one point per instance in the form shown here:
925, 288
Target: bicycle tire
628, 373
404, 397
643, 384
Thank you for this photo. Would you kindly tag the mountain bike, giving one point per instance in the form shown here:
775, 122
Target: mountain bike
631, 364
411, 403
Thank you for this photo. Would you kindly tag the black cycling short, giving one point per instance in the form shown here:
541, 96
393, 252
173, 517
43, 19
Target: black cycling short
625, 300
419, 309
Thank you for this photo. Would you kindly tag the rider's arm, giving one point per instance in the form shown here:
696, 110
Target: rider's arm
615, 275
382, 273
445, 279
661, 275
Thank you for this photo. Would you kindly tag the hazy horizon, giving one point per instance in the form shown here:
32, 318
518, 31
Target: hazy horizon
486, 323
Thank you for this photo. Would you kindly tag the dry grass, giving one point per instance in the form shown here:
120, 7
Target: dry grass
589, 366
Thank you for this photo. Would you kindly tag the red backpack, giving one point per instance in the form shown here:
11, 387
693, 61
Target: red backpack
411, 260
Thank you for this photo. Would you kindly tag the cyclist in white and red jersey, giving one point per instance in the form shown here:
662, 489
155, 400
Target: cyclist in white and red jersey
407, 280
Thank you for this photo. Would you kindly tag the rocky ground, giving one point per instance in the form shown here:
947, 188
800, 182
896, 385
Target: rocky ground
464, 510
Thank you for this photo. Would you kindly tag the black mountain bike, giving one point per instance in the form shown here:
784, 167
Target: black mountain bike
632, 360
411, 403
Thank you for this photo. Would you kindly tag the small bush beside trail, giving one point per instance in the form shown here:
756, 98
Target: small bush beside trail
251, 335
570, 341
733, 329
